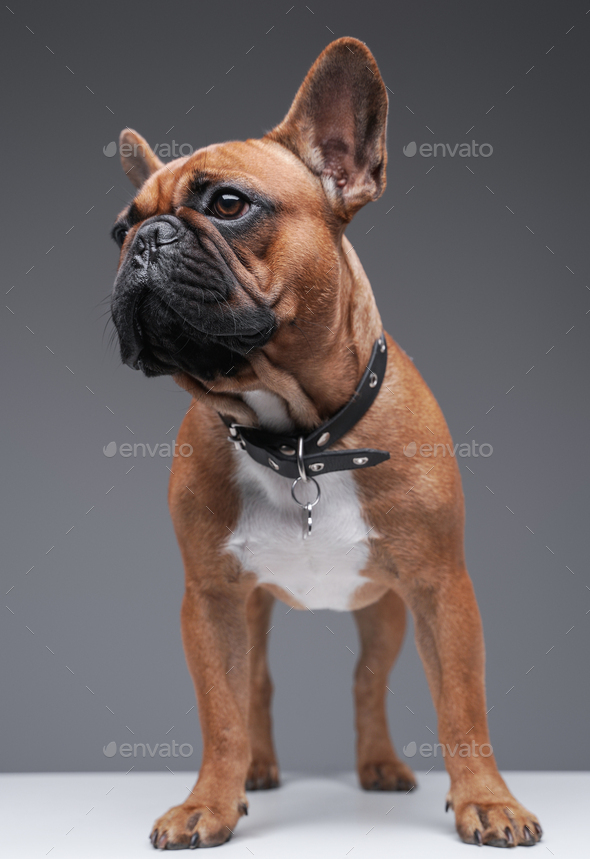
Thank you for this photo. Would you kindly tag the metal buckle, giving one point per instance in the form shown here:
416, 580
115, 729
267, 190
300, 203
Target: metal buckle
235, 438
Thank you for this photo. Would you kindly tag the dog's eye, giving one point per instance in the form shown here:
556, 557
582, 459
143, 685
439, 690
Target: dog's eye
119, 232
229, 206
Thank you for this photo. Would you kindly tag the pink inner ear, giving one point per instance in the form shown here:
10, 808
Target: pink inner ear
337, 124
336, 160
342, 123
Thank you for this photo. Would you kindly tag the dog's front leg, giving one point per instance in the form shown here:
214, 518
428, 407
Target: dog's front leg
215, 637
263, 772
381, 628
450, 641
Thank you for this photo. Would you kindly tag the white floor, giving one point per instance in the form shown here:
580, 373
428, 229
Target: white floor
103, 815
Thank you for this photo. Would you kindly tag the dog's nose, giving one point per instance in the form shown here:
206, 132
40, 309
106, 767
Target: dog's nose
154, 235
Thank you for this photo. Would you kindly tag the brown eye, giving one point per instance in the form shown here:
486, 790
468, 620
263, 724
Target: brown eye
229, 206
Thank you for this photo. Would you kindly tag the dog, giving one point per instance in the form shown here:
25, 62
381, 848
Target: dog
235, 278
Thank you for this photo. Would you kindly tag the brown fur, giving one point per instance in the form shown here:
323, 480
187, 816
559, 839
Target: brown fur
320, 165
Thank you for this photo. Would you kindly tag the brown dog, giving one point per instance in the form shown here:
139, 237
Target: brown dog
235, 277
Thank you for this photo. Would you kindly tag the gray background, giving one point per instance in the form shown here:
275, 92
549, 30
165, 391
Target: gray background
466, 286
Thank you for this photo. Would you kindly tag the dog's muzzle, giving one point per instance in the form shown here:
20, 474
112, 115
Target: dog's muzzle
178, 303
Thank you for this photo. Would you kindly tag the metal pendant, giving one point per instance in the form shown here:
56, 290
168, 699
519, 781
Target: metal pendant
307, 522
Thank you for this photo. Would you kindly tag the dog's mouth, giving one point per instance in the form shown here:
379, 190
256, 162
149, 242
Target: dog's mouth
166, 340
180, 306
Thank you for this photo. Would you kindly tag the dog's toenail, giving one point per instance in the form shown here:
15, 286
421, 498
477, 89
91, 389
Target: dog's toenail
528, 836
477, 836
447, 805
538, 830
163, 840
154, 837
509, 835
194, 842
243, 808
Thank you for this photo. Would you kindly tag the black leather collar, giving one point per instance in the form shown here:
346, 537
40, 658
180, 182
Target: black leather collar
289, 456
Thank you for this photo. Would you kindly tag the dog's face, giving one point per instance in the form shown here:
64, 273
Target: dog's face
206, 273
233, 249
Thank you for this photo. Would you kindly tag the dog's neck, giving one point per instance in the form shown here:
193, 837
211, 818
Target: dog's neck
271, 411
332, 353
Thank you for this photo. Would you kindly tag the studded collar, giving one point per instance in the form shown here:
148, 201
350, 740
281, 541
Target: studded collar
309, 456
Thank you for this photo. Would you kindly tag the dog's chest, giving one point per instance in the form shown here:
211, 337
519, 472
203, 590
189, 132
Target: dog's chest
323, 571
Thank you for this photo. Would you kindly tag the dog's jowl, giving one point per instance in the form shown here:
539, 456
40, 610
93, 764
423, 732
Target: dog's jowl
236, 279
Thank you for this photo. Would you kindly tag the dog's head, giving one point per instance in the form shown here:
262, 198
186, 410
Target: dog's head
228, 251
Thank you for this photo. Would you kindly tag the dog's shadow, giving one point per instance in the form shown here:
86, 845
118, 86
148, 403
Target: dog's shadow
337, 802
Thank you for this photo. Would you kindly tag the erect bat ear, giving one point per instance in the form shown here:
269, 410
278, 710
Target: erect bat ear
137, 157
337, 125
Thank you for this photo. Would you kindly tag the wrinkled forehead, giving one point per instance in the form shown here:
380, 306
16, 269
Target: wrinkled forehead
258, 167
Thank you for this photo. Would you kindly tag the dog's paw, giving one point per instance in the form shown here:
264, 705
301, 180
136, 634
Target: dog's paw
262, 775
193, 825
386, 775
497, 824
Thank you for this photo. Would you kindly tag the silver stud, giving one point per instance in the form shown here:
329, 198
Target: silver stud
273, 464
316, 466
360, 460
288, 451
382, 345
233, 431
373, 380
323, 439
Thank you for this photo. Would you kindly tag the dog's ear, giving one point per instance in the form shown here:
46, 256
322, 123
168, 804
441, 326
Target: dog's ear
137, 157
337, 125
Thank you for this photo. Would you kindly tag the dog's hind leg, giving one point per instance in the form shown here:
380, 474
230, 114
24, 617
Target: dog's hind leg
263, 772
381, 628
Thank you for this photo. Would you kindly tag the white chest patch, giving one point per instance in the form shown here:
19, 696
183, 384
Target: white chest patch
320, 572
323, 571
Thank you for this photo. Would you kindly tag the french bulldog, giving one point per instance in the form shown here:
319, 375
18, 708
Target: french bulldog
236, 279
